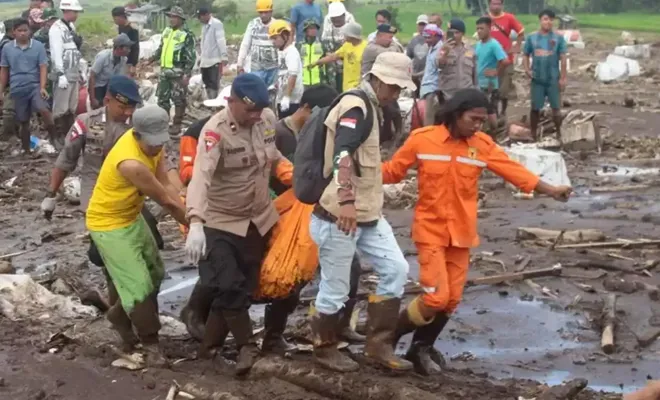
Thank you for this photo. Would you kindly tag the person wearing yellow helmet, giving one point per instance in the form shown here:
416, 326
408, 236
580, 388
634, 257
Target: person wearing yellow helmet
290, 79
257, 47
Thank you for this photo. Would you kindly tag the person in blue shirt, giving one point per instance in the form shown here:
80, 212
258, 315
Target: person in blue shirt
491, 59
548, 51
304, 11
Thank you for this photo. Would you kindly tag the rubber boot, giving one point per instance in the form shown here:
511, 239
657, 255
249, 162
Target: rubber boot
60, 132
346, 332
275, 319
147, 323
119, 320
195, 313
409, 320
179, 113
381, 331
240, 325
326, 353
215, 333
426, 359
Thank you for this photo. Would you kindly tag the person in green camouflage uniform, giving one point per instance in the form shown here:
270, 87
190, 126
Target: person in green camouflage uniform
177, 59
49, 16
332, 38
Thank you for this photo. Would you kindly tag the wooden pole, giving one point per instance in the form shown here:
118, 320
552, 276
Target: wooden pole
609, 317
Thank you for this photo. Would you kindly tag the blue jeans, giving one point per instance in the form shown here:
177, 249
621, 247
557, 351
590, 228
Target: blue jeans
268, 75
376, 245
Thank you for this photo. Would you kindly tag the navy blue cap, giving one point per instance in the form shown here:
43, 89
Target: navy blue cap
457, 24
124, 90
251, 89
386, 28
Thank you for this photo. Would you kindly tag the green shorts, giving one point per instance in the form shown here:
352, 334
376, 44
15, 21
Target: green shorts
133, 262
542, 91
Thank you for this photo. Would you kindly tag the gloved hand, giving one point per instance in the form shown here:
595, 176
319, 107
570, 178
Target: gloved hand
196, 243
48, 206
285, 103
62, 82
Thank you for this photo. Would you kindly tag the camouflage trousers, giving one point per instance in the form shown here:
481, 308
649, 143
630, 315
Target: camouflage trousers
171, 88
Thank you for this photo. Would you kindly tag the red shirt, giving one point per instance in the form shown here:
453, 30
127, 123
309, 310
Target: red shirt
502, 28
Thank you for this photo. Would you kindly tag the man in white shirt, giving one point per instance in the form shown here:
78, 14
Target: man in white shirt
214, 51
289, 80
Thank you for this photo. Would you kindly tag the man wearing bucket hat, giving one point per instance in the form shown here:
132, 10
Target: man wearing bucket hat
333, 38
350, 54
311, 51
349, 217
133, 169
177, 59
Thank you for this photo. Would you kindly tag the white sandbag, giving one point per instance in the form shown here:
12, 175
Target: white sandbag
195, 80
148, 47
573, 37
23, 298
72, 188
637, 51
550, 166
616, 68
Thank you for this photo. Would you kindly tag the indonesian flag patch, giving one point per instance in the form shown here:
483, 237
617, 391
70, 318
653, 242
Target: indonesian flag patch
210, 139
77, 130
348, 122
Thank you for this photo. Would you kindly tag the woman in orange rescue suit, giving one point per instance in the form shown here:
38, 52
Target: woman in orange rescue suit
450, 157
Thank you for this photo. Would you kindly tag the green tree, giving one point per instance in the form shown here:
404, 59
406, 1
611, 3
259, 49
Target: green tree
395, 17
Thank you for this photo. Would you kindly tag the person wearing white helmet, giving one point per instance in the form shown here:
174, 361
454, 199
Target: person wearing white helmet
332, 38
65, 58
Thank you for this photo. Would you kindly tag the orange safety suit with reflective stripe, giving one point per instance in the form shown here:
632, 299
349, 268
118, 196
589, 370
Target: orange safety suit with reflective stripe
445, 224
187, 153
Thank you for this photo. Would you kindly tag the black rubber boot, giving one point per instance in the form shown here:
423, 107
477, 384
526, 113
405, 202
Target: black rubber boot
147, 323
240, 326
215, 333
326, 353
177, 121
275, 319
346, 332
381, 331
426, 359
195, 313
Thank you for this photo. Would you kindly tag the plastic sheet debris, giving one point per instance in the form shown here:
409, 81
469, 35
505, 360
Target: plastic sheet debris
550, 166
573, 38
22, 298
9, 182
195, 80
578, 131
615, 170
617, 68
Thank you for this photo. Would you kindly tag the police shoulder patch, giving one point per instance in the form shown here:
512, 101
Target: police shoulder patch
78, 129
211, 138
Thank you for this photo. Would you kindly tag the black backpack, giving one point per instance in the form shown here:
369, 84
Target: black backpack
309, 158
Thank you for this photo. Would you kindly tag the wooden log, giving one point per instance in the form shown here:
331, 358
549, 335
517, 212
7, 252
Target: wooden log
609, 318
626, 244
652, 290
516, 276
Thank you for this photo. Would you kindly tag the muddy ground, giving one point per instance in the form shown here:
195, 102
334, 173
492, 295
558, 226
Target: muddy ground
503, 341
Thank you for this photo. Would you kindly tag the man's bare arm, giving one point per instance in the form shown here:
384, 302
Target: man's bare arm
145, 181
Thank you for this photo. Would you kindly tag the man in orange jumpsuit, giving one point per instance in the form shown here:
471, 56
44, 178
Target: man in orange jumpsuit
450, 156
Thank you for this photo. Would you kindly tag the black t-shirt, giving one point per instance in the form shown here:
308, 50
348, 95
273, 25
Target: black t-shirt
195, 129
134, 35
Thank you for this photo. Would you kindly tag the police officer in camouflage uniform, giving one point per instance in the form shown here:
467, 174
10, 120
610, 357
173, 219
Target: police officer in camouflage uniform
49, 16
177, 59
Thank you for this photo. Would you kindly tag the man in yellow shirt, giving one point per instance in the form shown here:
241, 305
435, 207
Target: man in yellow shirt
133, 169
351, 55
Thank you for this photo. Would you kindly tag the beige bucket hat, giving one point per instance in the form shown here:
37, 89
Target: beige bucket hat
394, 69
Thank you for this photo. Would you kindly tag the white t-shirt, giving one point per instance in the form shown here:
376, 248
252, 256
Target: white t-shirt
290, 64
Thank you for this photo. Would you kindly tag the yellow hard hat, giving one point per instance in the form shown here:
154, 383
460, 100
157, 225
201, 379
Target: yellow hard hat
264, 5
277, 27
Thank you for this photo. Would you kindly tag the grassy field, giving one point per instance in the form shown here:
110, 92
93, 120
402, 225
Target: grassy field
96, 20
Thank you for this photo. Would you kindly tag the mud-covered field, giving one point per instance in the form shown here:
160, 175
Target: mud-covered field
503, 341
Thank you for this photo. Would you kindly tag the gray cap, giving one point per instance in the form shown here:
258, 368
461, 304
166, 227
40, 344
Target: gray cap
122, 40
152, 123
352, 30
